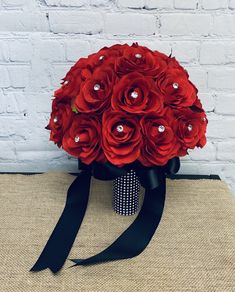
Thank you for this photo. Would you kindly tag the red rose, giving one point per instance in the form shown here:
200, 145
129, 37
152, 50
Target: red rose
140, 59
106, 56
73, 79
82, 139
173, 64
95, 93
176, 88
159, 141
61, 117
136, 93
121, 138
190, 128
197, 106
160, 55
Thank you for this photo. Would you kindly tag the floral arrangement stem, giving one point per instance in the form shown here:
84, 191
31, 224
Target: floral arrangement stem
126, 191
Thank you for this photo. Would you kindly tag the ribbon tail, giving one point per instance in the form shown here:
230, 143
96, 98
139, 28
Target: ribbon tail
62, 238
138, 235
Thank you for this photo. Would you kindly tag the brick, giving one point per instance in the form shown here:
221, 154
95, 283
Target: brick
185, 4
66, 3
185, 24
23, 21
39, 155
156, 45
97, 44
59, 72
161, 46
221, 128
51, 2
99, 2
40, 102
228, 170
217, 52
4, 80
221, 79
40, 75
75, 22
198, 77
160, 4
189, 167
65, 164
76, 49
226, 151
214, 4
13, 3
130, 24
209, 168
225, 104
185, 51
131, 3
15, 127
9, 102
207, 100
212, 53
19, 75
35, 145
7, 153
20, 50
207, 153
231, 4
4, 51
51, 50
224, 25
2, 104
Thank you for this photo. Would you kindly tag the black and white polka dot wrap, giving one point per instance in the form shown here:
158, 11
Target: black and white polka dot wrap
126, 190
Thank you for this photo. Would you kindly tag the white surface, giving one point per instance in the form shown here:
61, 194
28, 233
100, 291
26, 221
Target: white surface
40, 40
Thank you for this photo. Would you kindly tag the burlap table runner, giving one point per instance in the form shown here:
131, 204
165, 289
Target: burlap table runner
192, 250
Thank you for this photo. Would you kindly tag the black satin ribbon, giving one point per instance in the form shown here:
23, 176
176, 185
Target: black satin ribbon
137, 236
59, 244
132, 241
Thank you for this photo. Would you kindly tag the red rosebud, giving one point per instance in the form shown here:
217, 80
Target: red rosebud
140, 59
190, 128
61, 118
135, 93
82, 139
159, 141
121, 138
95, 93
178, 91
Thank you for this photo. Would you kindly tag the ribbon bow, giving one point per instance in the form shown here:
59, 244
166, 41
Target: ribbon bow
133, 240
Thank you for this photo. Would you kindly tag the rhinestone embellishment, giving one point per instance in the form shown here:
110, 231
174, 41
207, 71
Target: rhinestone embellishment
77, 139
120, 128
161, 129
138, 56
134, 94
175, 85
101, 58
190, 127
96, 87
55, 120
126, 190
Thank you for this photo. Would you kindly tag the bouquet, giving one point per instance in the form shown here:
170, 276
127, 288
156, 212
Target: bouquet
127, 103
124, 110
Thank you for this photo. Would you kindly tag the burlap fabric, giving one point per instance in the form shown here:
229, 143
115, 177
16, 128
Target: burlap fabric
192, 250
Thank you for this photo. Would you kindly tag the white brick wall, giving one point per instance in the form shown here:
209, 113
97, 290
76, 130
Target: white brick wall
41, 39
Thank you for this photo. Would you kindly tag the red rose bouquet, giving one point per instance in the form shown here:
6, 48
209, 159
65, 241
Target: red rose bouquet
127, 103
127, 113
